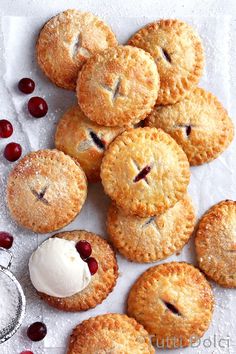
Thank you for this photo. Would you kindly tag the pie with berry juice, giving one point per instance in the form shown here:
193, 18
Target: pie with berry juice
74, 270
66, 42
178, 53
110, 333
118, 87
84, 140
174, 302
154, 238
145, 171
46, 190
199, 124
215, 243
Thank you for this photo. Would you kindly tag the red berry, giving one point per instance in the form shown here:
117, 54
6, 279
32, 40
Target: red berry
27, 352
92, 264
37, 331
84, 248
6, 240
26, 85
6, 128
12, 152
37, 107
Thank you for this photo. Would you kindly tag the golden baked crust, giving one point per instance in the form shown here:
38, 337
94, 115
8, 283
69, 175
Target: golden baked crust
111, 333
154, 238
178, 53
46, 190
118, 86
198, 123
174, 302
216, 244
102, 283
65, 43
155, 154
84, 140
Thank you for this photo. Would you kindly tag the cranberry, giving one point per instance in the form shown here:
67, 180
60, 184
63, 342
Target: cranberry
92, 264
12, 152
84, 248
37, 331
27, 352
6, 240
37, 107
6, 128
26, 85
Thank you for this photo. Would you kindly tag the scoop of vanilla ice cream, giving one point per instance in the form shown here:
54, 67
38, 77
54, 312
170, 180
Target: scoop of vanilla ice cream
56, 268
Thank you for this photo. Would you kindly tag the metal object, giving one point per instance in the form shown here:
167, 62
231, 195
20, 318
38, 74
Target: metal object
18, 298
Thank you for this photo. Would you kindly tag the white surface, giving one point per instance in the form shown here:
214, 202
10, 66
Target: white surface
209, 183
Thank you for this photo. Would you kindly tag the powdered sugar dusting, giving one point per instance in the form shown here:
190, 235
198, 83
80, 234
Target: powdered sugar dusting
36, 134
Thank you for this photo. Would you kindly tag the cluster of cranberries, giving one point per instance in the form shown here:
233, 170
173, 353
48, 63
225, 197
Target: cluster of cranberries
85, 250
12, 151
37, 107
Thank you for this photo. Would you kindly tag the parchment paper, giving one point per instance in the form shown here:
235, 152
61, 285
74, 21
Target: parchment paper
210, 183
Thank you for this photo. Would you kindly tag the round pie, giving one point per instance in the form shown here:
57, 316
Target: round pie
154, 238
101, 284
65, 43
174, 302
198, 123
118, 86
46, 190
178, 53
110, 333
145, 171
216, 243
84, 140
